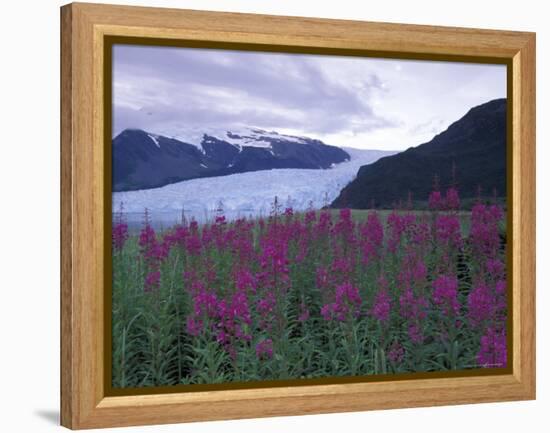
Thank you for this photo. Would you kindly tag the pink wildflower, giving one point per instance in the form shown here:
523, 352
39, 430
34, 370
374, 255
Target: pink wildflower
493, 349
445, 294
264, 349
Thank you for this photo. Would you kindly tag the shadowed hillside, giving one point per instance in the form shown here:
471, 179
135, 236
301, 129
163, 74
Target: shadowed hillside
473, 148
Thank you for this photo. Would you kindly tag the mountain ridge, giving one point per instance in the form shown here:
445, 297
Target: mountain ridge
470, 154
143, 160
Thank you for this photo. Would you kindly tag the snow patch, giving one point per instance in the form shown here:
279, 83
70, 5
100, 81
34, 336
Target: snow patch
190, 136
238, 136
155, 139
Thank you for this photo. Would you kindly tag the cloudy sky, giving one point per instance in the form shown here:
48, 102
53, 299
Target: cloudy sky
345, 101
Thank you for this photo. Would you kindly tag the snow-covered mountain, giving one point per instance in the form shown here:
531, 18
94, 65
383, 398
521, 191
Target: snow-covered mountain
143, 160
238, 136
245, 194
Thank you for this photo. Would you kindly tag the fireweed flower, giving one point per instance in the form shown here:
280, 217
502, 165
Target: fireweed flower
413, 308
325, 281
421, 233
179, 235
207, 237
119, 230
147, 239
194, 326
119, 235
274, 264
381, 307
152, 281
342, 269
448, 230
265, 308
495, 268
205, 304
302, 237
221, 236
153, 253
196, 286
436, 201
310, 217
241, 244
245, 281
413, 271
487, 302
344, 228
158, 251
345, 214
396, 352
382, 303
484, 232
328, 311
322, 278
205, 309
493, 351
398, 227
415, 333
481, 304
445, 294
234, 321
418, 272
264, 349
372, 233
500, 292
193, 243
452, 200
347, 304
209, 274
323, 226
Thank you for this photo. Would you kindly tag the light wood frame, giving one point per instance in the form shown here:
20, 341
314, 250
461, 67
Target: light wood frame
83, 400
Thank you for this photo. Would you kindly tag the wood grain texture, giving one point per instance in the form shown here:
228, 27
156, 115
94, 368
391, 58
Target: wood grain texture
525, 213
67, 386
83, 400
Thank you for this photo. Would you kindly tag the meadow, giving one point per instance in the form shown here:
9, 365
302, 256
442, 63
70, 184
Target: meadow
315, 294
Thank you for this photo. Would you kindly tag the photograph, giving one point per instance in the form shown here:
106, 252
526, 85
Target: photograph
286, 217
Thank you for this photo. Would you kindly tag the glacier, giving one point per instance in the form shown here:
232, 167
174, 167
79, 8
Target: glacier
248, 194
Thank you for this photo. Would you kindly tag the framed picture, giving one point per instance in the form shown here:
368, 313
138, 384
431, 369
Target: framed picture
266, 215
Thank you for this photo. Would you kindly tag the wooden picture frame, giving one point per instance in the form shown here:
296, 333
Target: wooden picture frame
84, 30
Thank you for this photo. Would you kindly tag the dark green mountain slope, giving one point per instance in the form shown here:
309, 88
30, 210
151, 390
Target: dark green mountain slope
475, 145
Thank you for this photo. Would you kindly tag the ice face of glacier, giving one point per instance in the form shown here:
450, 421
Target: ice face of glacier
245, 194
